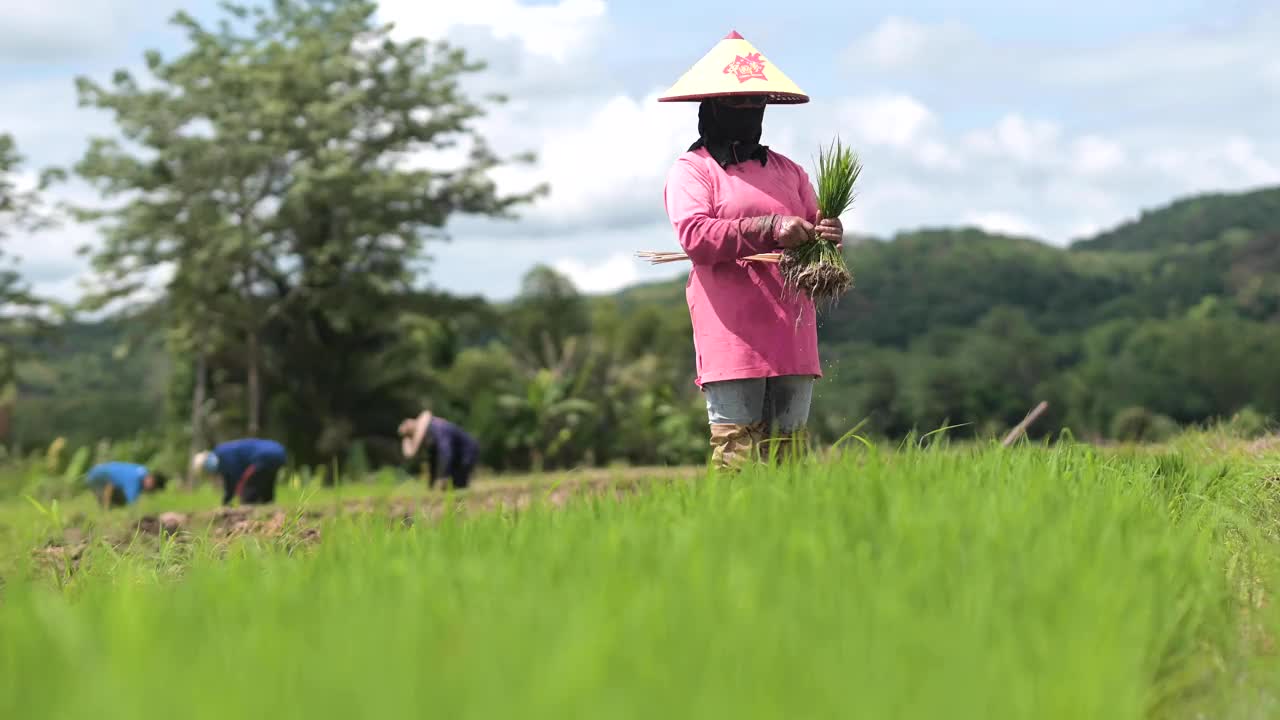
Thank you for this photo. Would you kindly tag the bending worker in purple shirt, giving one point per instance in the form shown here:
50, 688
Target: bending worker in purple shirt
121, 483
248, 469
446, 448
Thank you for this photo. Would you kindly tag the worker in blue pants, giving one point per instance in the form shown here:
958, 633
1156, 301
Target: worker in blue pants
248, 468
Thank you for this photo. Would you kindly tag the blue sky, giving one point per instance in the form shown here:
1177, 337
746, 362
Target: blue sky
1037, 118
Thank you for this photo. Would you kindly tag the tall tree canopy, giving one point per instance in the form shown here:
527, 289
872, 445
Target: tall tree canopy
21, 210
286, 172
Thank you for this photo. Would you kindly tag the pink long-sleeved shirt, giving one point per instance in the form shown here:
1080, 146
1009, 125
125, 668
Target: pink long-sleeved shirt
745, 324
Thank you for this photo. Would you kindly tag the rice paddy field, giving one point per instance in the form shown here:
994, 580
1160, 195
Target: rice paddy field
898, 582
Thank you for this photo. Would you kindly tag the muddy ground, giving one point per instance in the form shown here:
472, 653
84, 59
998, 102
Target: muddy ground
300, 526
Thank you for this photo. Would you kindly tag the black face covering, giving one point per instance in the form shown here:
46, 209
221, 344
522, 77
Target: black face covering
731, 135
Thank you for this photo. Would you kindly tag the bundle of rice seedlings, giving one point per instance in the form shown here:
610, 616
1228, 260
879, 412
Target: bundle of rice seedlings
818, 269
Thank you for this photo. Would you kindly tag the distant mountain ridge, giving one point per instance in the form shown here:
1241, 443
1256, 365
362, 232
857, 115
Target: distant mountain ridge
1192, 220
919, 294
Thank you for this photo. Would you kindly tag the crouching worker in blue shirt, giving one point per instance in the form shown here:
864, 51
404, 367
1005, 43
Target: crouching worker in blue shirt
121, 483
248, 469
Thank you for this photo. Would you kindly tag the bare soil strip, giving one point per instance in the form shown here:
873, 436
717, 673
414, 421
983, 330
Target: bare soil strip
299, 526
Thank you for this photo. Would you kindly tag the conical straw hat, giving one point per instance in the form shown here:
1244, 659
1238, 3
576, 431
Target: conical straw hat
734, 67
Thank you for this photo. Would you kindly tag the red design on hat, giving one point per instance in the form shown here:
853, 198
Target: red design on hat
746, 68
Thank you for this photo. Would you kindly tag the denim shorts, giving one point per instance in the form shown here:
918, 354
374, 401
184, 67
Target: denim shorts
781, 404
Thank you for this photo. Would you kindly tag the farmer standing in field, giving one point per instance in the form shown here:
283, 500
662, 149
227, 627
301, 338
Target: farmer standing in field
445, 448
248, 469
122, 483
729, 197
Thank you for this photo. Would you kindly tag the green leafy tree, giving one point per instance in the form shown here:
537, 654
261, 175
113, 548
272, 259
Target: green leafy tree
546, 314
472, 393
287, 170
21, 210
653, 421
945, 326
544, 419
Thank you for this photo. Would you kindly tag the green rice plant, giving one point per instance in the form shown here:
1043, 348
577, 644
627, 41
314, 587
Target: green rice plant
50, 512
818, 269
77, 467
945, 582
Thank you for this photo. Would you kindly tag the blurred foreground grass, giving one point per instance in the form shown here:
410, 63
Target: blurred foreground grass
964, 582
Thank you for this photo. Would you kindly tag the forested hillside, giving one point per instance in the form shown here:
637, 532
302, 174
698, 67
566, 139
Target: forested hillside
1172, 318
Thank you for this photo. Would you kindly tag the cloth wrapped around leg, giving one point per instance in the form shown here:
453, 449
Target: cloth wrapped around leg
733, 447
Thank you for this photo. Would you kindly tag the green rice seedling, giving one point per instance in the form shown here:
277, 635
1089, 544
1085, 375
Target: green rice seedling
953, 582
817, 269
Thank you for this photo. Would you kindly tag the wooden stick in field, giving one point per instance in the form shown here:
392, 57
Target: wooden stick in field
1021, 428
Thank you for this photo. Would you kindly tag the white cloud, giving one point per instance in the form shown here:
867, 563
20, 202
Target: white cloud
614, 273
953, 125
37, 32
66, 289
1003, 223
555, 31
893, 120
1020, 174
896, 41
42, 31
1084, 230
24, 180
1254, 168
902, 43
1019, 139
936, 155
49, 259
1164, 57
596, 260
1095, 155
44, 120
607, 168
900, 123
50, 255
1232, 162
1191, 74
